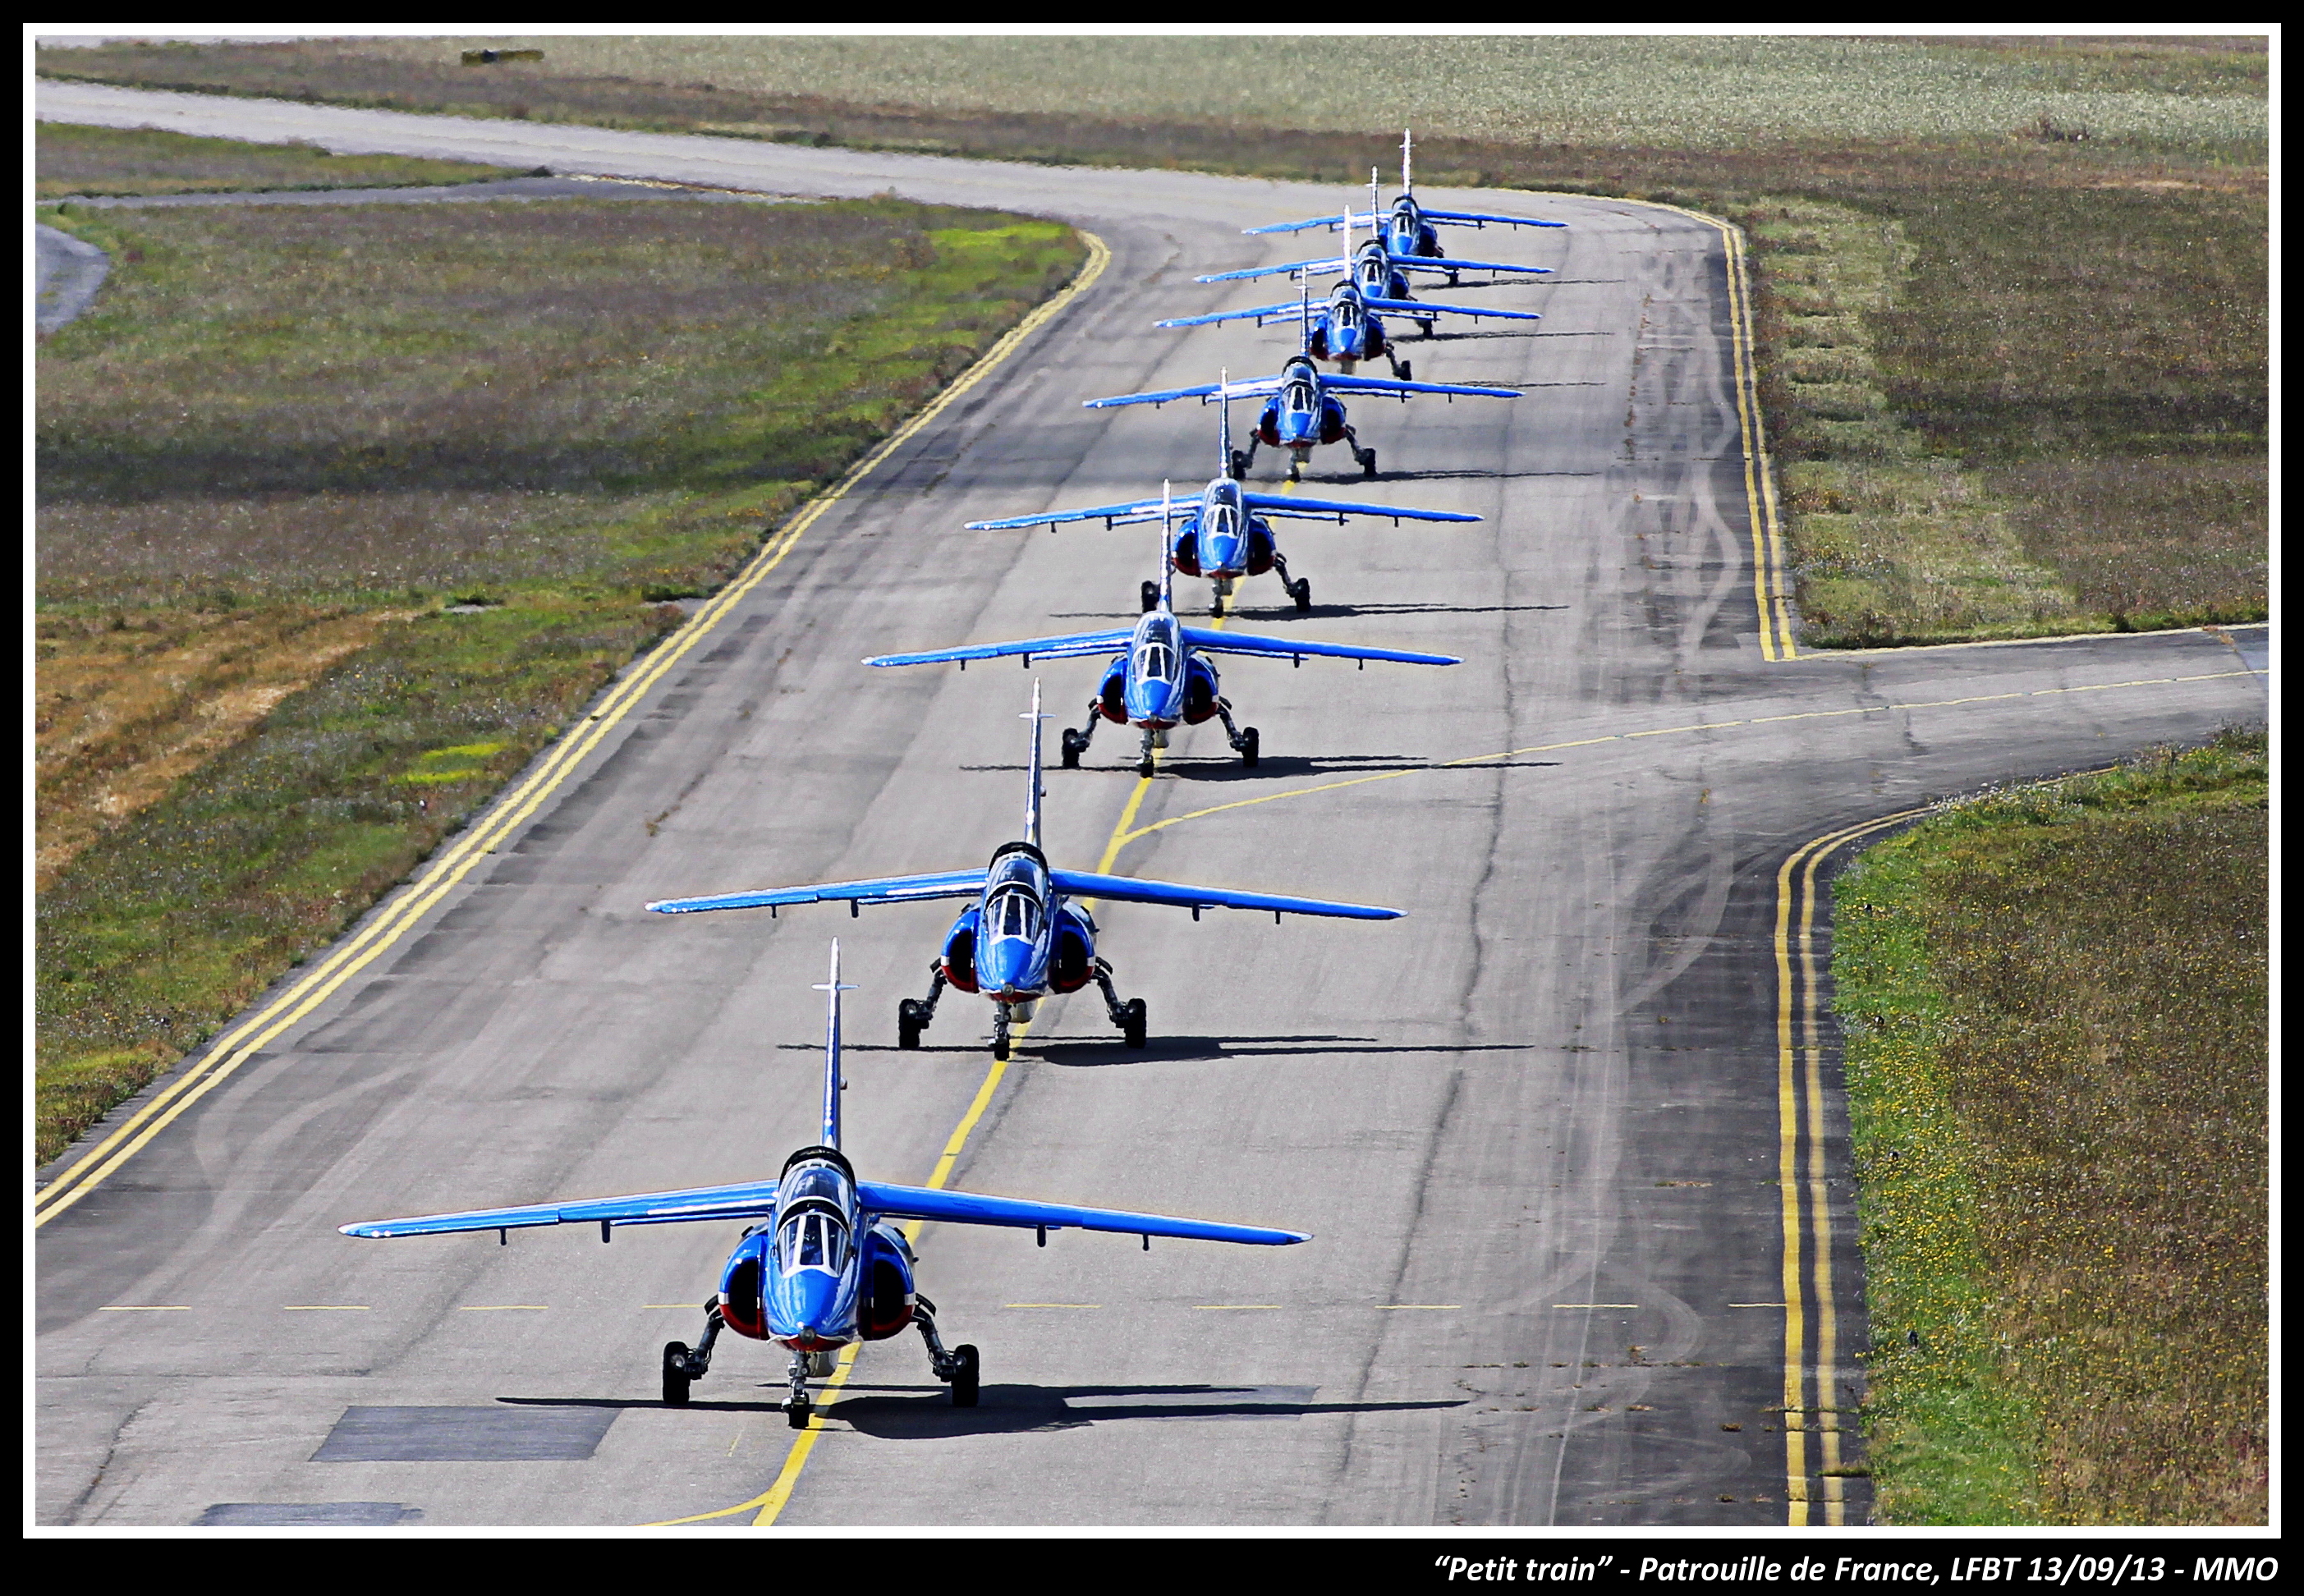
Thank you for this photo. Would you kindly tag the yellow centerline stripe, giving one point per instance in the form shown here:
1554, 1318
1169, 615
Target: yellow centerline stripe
243, 1040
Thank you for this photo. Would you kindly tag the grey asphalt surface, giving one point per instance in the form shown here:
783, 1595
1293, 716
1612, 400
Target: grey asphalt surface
1553, 1086
68, 273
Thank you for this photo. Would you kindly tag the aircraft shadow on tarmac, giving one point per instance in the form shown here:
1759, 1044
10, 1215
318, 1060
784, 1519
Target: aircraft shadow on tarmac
1279, 766
1322, 611
926, 1413
1101, 1053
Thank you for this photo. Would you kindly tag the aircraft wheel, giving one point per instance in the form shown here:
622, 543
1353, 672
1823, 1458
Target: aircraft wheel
676, 1374
1300, 590
1150, 594
1132, 1022
1073, 745
820, 1365
964, 1376
1368, 463
1000, 1049
1408, 371
1295, 470
1249, 748
797, 1413
909, 1024
1145, 767
1238, 464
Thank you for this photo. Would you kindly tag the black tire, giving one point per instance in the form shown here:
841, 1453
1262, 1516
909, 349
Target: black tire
1238, 464
1300, 590
909, 1024
964, 1363
1132, 1022
1150, 594
1408, 371
1000, 1049
676, 1374
798, 1414
1143, 766
1248, 747
1368, 463
1073, 744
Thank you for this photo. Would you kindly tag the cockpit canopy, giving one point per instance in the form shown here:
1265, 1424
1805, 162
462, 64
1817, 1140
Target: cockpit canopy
815, 1218
1012, 911
1156, 648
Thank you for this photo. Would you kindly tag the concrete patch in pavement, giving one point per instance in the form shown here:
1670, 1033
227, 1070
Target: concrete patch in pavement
315, 1515
464, 1435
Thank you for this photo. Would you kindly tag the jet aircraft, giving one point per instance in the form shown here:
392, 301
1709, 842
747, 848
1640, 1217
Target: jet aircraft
1159, 679
1301, 410
822, 1264
1225, 533
1020, 940
1345, 327
1408, 228
1379, 265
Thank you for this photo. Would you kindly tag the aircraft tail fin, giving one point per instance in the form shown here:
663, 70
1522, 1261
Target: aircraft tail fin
832, 987
1224, 427
1033, 793
1167, 532
1407, 145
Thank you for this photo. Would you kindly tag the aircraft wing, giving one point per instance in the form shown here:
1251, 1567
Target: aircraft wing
1331, 222
751, 1199
1379, 385
1295, 267
1137, 510
1031, 648
1320, 510
1227, 642
1260, 388
1448, 263
1292, 309
1427, 307
1481, 218
967, 1208
886, 888
1128, 889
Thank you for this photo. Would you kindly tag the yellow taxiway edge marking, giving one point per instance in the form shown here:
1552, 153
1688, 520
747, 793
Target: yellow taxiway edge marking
325, 1308
244, 1040
147, 1308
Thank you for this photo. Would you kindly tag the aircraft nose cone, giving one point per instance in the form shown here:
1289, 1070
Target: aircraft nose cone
1154, 701
1007, 966
816, 1307
1222, 552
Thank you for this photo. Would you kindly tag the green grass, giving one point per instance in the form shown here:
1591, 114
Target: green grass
68, 158
2054, 1003
566, 411
2051, 416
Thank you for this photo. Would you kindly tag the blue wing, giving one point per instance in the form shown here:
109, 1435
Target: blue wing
1427, 307
967, 1208
1481, 218
1128, 889
1136, 510
886, 888
1331, 222
1377, 384
753, 1199
1031, 648
1214, 642
1261, 388
1441, 263
1293, 269
1294, 310
1320, 510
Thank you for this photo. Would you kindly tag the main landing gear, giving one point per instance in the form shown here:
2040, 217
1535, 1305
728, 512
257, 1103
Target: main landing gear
1404, 371
1129, 1015
1150, 594
1075, 743
1365, 457
957, 1368
683, 1364
1299, 589
1241, 458
914, 1014
1244, 740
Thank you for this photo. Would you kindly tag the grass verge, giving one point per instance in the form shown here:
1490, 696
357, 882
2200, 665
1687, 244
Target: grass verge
2054, 1006
2049, 416
68, 159
344, 510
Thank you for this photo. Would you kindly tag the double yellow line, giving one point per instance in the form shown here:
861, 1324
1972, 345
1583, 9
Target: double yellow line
244, 1040
1806, 1208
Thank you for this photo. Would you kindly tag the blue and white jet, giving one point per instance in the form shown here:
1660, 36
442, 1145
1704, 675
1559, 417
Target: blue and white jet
1225, 533
1346, 328
1408, 228
823, 1263
1021, 940
1301, 410
1159, 677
